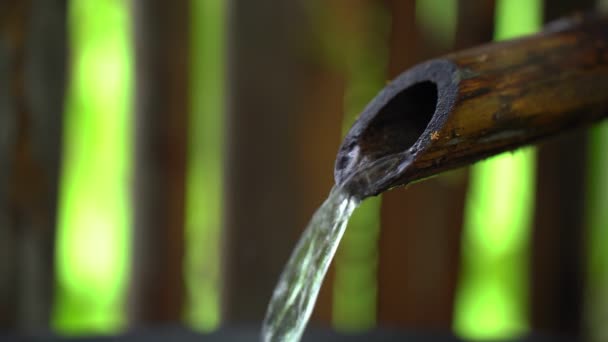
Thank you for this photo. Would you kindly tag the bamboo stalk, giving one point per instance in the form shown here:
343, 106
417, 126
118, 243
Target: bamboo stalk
456, 110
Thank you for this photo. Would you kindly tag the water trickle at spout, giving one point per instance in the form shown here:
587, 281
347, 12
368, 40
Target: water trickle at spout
296, 292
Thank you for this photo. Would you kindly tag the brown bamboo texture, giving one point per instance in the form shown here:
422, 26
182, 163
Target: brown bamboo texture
453, 111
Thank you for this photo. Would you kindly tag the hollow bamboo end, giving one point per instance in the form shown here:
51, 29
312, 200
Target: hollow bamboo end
402, 120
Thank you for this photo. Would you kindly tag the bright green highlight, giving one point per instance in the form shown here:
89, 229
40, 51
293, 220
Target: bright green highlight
515, 18
597, 236
204, 175
509, 179
492, 299
484, 299
355, 282
596, 296
437, 20
94, 206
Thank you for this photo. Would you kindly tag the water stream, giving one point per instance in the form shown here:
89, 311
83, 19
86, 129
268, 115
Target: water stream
296, 292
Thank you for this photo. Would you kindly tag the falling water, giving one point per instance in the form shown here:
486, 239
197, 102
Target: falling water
296, 292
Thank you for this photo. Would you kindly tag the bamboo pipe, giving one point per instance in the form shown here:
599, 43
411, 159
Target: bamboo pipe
458, 109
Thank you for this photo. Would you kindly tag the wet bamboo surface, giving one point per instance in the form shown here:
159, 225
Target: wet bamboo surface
489, 99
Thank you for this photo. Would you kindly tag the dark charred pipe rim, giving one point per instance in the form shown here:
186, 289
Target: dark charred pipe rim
443, 74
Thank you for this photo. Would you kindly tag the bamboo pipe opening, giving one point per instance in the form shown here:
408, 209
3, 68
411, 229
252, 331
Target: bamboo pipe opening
400, 120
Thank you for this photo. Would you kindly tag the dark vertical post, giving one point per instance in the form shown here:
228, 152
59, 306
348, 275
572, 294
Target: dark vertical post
419, 256
557, 256
475, 23
161, 68
13, 21
261, 216
32, 77
557, 277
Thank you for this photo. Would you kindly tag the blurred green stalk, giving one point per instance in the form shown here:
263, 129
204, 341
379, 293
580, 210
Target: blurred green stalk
94, 204
204, 196
597, 236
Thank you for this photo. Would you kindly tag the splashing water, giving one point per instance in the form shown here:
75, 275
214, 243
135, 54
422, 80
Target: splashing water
296, 292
